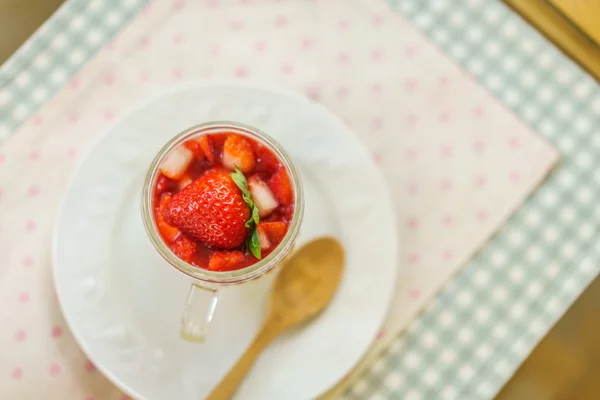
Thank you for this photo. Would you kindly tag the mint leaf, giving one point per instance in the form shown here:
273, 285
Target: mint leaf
252, 242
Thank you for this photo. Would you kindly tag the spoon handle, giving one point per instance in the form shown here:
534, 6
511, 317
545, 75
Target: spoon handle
230, 383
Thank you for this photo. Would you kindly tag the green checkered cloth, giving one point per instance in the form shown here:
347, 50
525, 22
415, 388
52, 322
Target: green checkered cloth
485, 322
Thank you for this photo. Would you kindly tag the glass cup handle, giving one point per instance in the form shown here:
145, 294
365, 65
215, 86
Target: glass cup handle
199, 310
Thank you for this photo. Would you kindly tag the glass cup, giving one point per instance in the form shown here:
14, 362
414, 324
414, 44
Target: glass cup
202, 298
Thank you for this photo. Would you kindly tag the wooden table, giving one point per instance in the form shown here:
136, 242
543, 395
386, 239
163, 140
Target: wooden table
573, 25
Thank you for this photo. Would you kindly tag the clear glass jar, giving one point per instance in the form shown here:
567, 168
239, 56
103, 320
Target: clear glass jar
202, 299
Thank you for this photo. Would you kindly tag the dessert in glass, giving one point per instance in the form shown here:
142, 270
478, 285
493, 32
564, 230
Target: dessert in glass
222, 203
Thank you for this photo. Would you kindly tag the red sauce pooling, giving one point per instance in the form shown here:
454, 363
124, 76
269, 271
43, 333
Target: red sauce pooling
188, 165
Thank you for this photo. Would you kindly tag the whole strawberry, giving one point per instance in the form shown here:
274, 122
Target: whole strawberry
210, 209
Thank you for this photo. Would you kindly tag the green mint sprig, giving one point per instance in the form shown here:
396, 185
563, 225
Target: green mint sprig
252, 242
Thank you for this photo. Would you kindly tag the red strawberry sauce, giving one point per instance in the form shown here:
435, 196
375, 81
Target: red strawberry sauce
200, 211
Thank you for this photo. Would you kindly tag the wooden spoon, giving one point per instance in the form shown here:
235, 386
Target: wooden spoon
305, 285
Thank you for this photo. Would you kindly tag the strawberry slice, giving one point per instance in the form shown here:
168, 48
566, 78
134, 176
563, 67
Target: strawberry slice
176, 162
281, 187
207, 147
163, 184
238, 151
194, 147
263, 238
225, 260
266, 161
185, 180
262, 196
168, 232
185, 248
275, 231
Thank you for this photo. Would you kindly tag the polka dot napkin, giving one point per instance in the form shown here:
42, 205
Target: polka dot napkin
457, 162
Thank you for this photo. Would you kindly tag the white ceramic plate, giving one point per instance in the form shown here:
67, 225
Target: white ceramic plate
123, 303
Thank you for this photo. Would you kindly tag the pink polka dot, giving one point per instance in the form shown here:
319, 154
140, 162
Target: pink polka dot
411, 154
513, 142
178, 5
411, 120
20, 335
178, 38
377, 123
236, 24
281, 21
213, 4
215, 50
515, 176
410, 51
377, 55
478, 111
377, 20
446, 184
377, 157
479, 146
143, 76
414, 294
177, 73
34, 155
23, 297
109, 115
144, 41
54, 369
287, 68
343, 24
27, 261
30, 226
413, 222
481, 215
342, 92
444, 116
313, 92
446, 151
380, 334
109, 79
38, 120
260, 46
90, 367
33, 191
480, 180
413, 258
147, 9
73, 117
110, 45
410, 84
2, 158
448, 255
447, 219
71, 152
343, 58
306, 43
241, 71
412, 188
74, 83
443, 81
17, 373
377, 88
57, 331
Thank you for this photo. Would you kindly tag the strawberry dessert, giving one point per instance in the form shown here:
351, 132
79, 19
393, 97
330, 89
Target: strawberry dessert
222, 201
